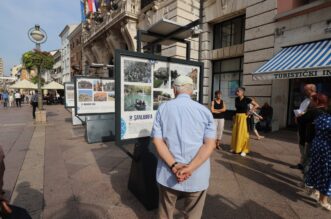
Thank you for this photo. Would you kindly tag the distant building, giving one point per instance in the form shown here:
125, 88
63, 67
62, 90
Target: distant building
1, 67
16, 71
57, 67
65, 52
75, 40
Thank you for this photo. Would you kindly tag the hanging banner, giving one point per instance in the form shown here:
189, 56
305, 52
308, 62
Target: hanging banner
144, 82
69, 95
94, 96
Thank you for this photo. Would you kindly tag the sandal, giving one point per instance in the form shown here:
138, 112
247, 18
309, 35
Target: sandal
326, 206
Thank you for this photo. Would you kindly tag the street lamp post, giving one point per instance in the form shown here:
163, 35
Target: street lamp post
38, 36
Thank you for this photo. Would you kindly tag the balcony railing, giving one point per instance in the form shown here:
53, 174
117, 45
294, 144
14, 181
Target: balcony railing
101, 20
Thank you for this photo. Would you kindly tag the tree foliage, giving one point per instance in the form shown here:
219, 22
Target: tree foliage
33, 59
34, 80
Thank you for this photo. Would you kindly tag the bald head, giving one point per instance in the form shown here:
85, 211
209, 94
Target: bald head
310, 89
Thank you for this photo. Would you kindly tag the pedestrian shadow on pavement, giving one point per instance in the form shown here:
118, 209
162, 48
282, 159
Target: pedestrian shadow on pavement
75, 209
29, 198
217, 206
264, 174
260, 156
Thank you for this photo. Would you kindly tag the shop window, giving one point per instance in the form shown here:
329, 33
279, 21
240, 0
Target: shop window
229, 33
227, 78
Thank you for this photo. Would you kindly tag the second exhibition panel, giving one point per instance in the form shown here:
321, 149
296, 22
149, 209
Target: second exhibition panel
94, 96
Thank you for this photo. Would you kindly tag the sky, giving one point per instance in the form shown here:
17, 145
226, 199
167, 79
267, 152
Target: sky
18, 16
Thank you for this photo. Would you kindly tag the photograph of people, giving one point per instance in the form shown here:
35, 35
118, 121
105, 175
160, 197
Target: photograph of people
137, 71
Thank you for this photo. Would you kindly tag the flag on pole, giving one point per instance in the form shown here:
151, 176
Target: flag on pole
82, 10
96, 5
90, 5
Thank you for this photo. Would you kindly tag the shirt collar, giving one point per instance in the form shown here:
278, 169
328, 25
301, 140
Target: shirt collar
183, 96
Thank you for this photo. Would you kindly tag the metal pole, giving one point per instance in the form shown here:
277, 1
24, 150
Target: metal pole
40, 95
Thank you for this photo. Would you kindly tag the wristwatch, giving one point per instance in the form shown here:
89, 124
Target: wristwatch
173, 165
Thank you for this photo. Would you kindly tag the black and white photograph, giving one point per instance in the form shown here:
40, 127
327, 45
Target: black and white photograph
160, 97
187, 70
137, 71
137, 98
109, 86
161, 76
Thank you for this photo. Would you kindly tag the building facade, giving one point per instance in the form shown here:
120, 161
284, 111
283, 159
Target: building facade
115, 26
76, 51
299, 22
16, 71
65, 52
237, 38
57, 67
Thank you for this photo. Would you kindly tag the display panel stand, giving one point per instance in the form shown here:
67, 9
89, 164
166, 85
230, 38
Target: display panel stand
142, 179
100, 128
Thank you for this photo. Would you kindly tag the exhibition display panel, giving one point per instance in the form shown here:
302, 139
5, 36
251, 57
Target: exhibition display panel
94, 96
143, 83
69, 95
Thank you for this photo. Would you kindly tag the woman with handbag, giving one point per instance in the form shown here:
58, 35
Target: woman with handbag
240, 134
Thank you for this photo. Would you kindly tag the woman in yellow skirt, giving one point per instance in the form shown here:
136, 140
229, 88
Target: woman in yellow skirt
240, 134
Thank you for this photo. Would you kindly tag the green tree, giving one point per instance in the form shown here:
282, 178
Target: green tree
35, 59
35, 80
38, 60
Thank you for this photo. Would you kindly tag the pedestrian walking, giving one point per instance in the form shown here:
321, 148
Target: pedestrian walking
218, 108
11, 99
5, 97
266, 112
309, 90
240, 134
254, 119
18, 99
319, 172
184, 135
34, 103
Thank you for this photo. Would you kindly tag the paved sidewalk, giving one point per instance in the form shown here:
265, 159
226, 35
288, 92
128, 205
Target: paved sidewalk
64, 177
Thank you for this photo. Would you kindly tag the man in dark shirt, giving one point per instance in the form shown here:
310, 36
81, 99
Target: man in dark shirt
34, 103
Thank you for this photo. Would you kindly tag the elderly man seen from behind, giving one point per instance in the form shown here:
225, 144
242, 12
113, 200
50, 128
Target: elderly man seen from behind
184, 136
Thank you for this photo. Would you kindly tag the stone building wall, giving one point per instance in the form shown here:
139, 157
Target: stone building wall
258, 46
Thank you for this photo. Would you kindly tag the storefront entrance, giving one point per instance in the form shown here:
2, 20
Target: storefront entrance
323, 85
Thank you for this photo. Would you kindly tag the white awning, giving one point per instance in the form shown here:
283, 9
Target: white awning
53, 86
24, 84
299, 61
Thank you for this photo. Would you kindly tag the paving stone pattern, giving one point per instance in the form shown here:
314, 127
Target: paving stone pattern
68, 178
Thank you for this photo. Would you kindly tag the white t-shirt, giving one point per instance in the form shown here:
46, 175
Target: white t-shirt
17, 96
